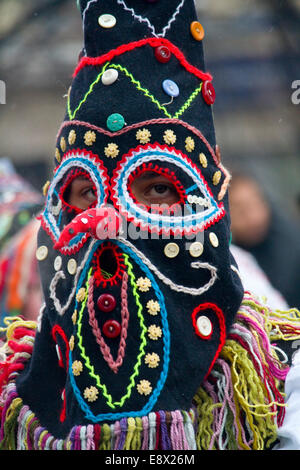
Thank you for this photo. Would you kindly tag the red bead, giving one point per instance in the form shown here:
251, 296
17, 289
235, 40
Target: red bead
208, 92
162, 54
111, 329
106, 303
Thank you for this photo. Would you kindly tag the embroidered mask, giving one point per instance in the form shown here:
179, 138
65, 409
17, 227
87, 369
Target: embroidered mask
140, 287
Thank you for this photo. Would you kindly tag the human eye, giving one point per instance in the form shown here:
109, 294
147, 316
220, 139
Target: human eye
81, 193
162, 190
152, 188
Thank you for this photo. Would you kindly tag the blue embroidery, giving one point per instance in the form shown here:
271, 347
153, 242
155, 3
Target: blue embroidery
172, 222
166, 356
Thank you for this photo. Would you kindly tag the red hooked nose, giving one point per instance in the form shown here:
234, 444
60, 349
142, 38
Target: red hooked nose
101, 223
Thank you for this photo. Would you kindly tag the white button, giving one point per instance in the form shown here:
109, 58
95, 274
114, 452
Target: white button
196, 249
42, 253
72, 266
204, 326
171, 250
214, 239
57, 263
110, 76
107, 21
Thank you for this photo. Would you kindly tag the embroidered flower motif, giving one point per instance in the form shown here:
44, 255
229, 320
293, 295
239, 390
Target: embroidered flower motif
203, 160
143, 135
72, 137
80, 296
77, 367
169, 137
89, 137
152, 360
216, 178
46, 187
112, 150
72, 342
63, 144
57, 155
153, 307
144, 387
91, 394
74, 317
189, 144
143, 284
154, 332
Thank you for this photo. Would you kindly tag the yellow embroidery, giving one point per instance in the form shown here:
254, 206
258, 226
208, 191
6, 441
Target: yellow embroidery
169, 137
216, 178
63, 144
91, 394
77, 368
153, 307
154, 332
152, 360
144, 387
72, 137
143, 135
203, 160
143, 284
89, 137
112, 150
46, 187
80, 296
189, 144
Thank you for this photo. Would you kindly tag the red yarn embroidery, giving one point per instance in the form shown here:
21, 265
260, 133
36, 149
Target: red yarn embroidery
167, 173
73, 174
57, 330
99, 275
153, 42
220, 315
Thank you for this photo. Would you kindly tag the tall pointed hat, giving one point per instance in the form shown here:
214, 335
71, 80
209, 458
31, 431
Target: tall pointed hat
139, 300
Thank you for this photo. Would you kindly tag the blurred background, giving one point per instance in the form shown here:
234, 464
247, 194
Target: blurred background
252, 50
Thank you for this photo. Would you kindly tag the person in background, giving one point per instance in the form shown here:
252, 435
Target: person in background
271, 238
143, 343
20, 289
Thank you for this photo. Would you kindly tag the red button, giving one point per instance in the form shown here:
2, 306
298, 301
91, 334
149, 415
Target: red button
111, 329
208, 92
106, 302
162, 54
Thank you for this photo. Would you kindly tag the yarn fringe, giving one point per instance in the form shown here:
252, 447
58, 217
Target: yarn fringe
240, 405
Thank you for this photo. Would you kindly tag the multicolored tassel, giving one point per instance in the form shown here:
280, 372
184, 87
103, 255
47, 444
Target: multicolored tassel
239, 405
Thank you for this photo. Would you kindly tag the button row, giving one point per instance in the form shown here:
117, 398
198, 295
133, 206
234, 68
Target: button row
108, 21
163, 55
196, 249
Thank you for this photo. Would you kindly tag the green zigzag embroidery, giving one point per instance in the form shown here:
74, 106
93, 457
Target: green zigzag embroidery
143, 343
187, 104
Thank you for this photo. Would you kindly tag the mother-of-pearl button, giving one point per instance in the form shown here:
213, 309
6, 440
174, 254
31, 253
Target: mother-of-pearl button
110, 76
171, 250
214, 239
204, 326
107, 21
57, 263
41, 253
196, 249
72, 266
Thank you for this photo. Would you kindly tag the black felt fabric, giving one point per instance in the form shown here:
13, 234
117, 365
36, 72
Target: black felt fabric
185, 358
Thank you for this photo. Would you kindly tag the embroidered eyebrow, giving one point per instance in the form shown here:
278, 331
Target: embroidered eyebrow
148, 175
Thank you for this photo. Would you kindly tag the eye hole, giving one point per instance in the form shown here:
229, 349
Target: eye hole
153, 187
79, 192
